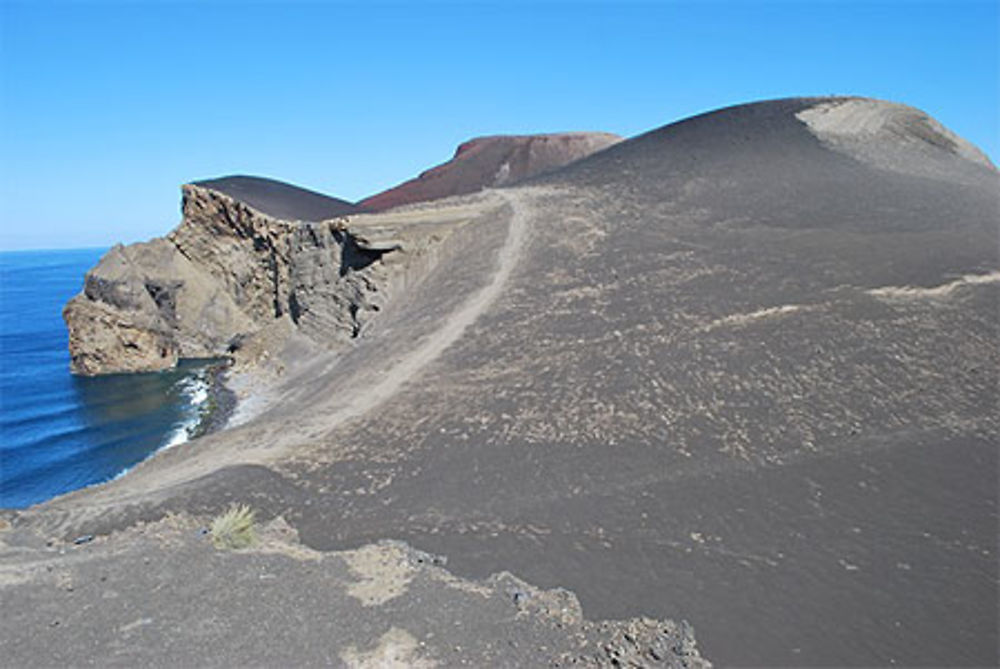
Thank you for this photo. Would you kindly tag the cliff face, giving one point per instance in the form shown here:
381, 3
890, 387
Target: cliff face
255, 260
493, 161
224, 275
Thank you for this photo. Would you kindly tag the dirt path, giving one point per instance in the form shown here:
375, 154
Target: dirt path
413, 362
269, 441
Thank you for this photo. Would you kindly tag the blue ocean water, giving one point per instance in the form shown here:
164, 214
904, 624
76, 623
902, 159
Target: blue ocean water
59, 432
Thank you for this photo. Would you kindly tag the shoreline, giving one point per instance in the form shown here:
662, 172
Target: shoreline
245, 392
222, 401
219, 407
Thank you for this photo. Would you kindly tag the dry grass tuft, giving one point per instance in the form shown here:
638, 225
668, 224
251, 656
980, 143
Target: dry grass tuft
234, 529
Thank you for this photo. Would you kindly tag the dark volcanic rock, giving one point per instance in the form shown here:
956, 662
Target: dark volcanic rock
226, 274
493, 161
160, 595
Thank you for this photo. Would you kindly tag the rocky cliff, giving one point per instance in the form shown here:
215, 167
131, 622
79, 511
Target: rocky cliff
493, 161
226, 275
256, 261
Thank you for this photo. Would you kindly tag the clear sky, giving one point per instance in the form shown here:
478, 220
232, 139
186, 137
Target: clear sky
105, 109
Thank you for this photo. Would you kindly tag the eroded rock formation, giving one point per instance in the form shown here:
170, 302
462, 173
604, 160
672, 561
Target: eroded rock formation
224, 275
256, 260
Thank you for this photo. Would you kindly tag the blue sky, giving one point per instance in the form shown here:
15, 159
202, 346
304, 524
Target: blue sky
105, 109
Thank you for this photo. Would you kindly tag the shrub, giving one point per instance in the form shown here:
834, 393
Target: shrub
234, 529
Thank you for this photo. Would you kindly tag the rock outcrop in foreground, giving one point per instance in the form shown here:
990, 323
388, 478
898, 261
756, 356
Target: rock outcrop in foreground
493, 161
159, 595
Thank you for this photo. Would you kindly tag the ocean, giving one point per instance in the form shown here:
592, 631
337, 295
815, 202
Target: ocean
59, 432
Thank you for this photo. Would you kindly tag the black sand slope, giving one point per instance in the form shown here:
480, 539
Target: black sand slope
279, 199
492, 161
740, 377
741, 370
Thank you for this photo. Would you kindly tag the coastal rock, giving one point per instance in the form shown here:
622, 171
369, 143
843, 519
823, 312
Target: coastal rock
493, 161
116, 323
226, 273
255, 258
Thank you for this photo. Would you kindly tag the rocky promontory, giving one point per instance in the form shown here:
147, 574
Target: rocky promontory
227, 274
255, 261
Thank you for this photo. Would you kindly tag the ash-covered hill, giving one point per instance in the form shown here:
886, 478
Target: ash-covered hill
793, 197
741, 370
493, 161
279, 199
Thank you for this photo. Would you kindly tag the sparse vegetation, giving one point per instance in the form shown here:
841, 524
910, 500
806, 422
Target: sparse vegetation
234, 529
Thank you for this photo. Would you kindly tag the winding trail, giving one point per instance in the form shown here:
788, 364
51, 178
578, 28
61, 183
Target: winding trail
392, 379
269, 441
